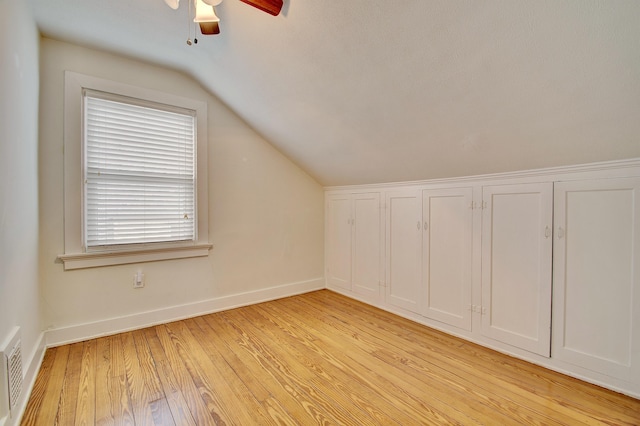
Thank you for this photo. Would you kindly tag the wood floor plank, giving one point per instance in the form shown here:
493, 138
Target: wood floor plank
525, 385
521, 376
113, 405
32, 411
358, 396
51, 398
69, 393
362, 369
249, 371
203, 411
316, 358
401, 358
148, 405
235, 402
220, 348
307, 376
175, 398
86, 402
154, 392
296, 403
520, 406
295, 388
542, 379
328, 365
238, 398
105, 400
410, 392
121, 407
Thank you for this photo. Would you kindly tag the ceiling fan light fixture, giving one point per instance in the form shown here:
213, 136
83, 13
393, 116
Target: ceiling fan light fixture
173, 4
209, 28
205, 13
206, 17
212, 2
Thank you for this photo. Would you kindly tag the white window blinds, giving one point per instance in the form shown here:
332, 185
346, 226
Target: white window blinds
139, 174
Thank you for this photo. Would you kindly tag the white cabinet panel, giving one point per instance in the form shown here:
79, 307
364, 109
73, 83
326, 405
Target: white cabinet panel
447, 243
338, 241
367, 245
516, 265
404, 231
353, 243
596, 276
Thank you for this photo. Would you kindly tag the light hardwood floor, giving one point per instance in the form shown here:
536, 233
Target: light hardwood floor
318, 358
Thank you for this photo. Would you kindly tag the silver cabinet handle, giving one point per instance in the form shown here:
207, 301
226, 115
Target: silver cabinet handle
547, 232
561, 232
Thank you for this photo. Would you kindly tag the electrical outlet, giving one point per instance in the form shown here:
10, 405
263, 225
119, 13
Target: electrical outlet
138, 280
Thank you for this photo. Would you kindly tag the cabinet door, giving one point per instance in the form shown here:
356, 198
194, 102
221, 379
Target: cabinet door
367, 246
596, 308
404, 230
338, 242
516, 265
447, 244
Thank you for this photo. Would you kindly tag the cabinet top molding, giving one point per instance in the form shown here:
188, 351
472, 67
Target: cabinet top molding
603, 169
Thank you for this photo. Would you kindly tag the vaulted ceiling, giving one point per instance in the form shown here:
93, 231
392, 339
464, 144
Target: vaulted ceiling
368, 91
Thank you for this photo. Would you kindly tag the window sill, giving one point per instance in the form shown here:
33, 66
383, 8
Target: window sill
110, 258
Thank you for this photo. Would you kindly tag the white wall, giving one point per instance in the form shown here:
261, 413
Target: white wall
266, 217
19, 298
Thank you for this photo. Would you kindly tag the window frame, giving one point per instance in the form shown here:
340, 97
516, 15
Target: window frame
76, 256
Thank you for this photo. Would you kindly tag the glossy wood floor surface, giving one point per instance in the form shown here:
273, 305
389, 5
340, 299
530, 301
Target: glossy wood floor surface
318, 358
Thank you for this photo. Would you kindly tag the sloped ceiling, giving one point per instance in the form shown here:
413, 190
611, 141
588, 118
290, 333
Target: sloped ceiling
368, 91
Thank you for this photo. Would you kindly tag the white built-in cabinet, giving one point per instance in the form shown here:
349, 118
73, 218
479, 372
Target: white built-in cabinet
338, 238
545, 266
516, 264
429, 235
403, 248
596, 295
354, 243
447, 217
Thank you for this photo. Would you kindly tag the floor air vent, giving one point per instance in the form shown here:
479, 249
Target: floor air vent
14, 368
11, 356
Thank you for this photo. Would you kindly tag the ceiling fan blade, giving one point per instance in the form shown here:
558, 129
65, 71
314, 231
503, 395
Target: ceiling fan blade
272, 7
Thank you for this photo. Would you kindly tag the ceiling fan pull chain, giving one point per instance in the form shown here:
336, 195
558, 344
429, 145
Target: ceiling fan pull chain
189, 42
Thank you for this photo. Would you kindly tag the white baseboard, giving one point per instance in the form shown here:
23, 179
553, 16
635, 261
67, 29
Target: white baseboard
80, 332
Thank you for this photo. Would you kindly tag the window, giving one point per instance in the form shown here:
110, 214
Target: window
135, 174
139, 172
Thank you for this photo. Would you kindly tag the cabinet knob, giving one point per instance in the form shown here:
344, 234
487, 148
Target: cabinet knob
419, 225
561, 232
547, 232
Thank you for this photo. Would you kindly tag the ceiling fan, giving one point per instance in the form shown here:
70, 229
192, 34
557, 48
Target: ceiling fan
206, 17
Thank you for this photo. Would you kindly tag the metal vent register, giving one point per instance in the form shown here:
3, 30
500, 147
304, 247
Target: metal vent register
14, 373
11, 372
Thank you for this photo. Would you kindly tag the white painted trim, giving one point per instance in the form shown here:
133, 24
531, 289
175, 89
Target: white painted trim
616, 168
80, 332
74, 84
108, 258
